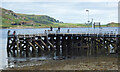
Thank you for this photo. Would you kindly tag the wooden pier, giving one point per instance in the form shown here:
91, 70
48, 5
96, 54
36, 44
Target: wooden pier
62, 45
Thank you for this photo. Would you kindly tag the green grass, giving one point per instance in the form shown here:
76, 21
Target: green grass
38, 25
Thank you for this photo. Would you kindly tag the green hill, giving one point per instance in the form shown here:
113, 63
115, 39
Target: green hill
112, 24
12, 19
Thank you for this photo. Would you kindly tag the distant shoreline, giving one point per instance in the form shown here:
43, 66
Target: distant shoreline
38, 27
45, 27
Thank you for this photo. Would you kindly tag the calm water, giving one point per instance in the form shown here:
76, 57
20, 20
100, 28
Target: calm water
3, 37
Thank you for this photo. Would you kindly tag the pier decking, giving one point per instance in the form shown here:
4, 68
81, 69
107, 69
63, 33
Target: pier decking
62, 45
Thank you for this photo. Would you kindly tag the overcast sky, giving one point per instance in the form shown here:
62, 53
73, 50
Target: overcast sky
68, 12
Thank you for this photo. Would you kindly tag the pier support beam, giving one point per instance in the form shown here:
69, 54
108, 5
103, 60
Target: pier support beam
58, 45
69, 47
64, 51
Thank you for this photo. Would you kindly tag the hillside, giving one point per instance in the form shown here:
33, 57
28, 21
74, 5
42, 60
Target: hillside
112, 24
10, 18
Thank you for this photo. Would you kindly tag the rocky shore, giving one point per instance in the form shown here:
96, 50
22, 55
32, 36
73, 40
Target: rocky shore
80, 63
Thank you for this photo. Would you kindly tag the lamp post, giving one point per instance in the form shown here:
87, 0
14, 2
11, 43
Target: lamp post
87, 11
92, 23
88, 15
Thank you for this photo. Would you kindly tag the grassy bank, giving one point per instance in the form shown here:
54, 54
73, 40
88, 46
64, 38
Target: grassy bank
37, 25
62, 25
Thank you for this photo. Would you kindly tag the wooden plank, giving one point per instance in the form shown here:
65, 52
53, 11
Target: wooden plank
39, 46
32, 45
51, 45
44, 44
